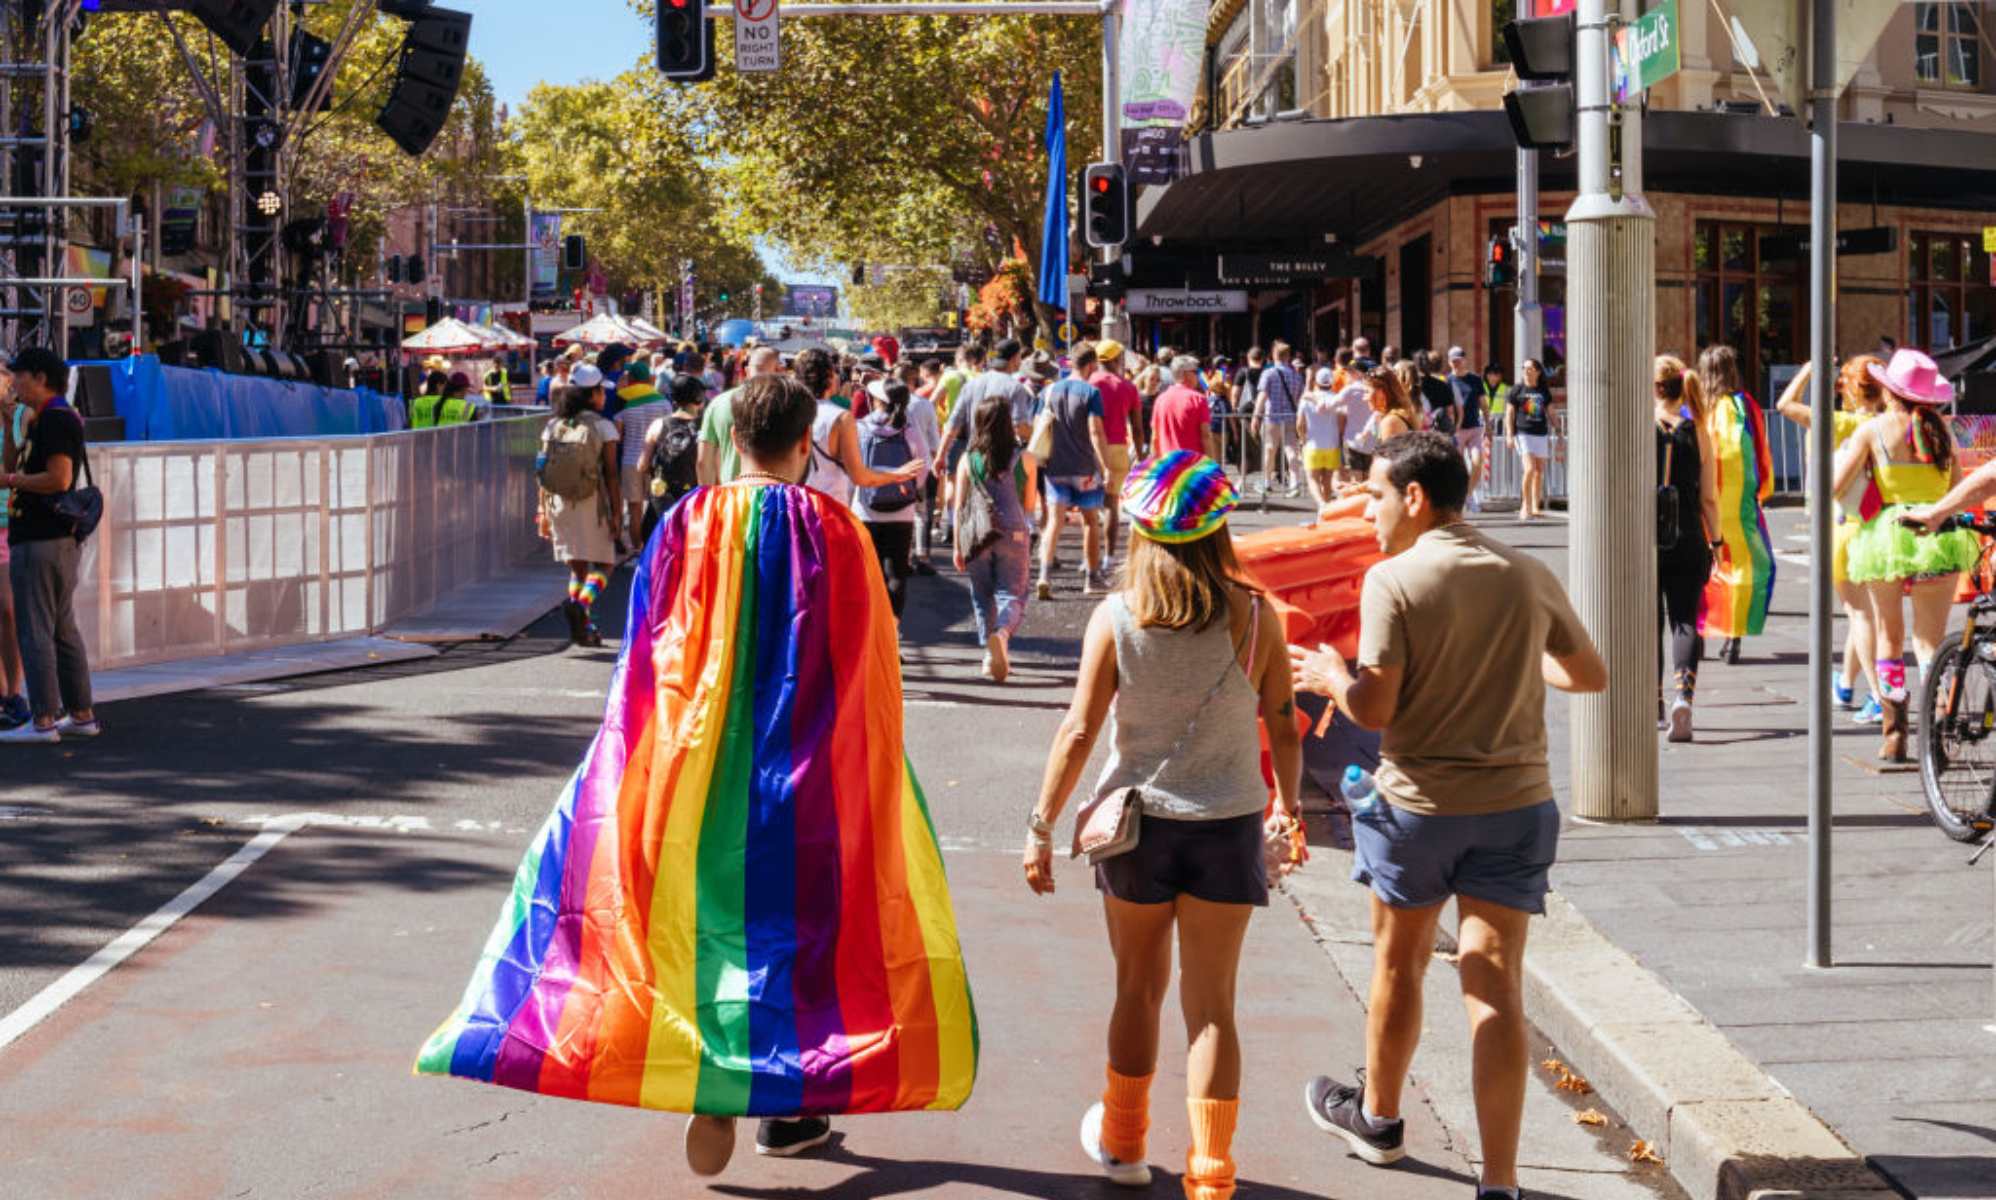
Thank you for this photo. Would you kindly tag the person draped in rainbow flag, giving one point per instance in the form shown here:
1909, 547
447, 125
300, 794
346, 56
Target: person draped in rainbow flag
737, 907
1742, 583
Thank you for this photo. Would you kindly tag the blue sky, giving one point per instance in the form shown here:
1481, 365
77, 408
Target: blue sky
523, 42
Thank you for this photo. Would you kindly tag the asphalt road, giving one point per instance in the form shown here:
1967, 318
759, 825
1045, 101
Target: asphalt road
262, 1046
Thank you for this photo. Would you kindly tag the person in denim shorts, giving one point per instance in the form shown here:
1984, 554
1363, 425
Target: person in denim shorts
1189, 659
1458, 637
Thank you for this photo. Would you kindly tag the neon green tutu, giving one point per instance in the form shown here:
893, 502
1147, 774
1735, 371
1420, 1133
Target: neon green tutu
1882, 549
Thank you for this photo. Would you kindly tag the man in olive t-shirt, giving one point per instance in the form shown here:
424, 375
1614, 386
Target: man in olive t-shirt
1458, 637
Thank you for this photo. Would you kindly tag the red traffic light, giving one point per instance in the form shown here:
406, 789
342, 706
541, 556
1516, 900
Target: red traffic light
1100, 183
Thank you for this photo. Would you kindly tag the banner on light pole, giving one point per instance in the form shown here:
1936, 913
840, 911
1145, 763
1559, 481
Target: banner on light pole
1162, 52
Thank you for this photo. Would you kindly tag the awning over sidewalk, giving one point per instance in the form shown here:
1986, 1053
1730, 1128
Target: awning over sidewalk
1360, 176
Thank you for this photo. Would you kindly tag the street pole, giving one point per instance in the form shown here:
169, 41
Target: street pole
1114, 325
1611, 436
1822, 340
527, 287
1527, 320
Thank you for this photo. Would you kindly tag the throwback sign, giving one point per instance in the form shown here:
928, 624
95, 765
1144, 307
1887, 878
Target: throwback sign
1180, 302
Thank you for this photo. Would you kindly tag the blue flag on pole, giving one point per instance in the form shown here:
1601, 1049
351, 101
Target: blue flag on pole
1053, 227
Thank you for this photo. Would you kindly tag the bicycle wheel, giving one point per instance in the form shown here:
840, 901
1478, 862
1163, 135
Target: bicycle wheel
1958, 746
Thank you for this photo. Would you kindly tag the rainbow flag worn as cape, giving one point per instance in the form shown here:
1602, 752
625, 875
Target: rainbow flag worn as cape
737, 907
1742, 582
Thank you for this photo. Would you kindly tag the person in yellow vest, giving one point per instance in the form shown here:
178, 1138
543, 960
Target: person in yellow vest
458, 407
498, 390
424, 408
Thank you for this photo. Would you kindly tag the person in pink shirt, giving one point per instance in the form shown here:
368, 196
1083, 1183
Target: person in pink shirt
1122, 424
1182, 419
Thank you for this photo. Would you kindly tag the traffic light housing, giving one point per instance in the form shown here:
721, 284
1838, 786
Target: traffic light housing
574, 253
1498, 268
1105, 205
393, 268
1542, 51
685, 41
415, 268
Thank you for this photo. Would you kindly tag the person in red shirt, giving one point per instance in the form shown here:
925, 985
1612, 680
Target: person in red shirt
1122, 424
888, 347
1182, 419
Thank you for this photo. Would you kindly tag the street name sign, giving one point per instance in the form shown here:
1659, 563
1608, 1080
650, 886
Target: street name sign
758, 43
1645, 52
1180, 302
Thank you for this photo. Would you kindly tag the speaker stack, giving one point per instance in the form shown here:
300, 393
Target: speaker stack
427, 75
239, 23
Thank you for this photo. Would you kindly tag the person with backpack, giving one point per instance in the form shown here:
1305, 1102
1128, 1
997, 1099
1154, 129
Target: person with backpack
669, 463
835, 462
643, 407
579, 512
993, 500
888, 441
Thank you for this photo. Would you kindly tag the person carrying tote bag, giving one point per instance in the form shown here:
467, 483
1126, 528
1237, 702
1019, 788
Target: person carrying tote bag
1191, 863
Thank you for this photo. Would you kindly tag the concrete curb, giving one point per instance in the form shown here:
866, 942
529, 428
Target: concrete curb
1725, 1128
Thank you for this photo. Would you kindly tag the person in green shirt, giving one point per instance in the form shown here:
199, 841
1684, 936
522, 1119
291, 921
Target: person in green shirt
718, 461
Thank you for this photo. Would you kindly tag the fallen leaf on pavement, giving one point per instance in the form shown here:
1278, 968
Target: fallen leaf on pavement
1553, 1065
1567, 1080
1589, 1116
1642, 1152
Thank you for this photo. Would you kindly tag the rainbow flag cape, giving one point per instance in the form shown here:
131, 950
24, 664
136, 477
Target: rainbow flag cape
1742, 582
737, 907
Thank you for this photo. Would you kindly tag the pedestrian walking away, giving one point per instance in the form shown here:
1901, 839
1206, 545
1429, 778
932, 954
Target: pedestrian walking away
1321, 420
14, 708
581, 513
719, 463
1907, 454
1184, 777
1470, 399
888, 440
1742, 586
995, 498
1459, 635
836, 465
1076, 471
1122, 429
44, 546
669, 461
734, 872
1687, 518
1280, 388
1182, 419
643, 407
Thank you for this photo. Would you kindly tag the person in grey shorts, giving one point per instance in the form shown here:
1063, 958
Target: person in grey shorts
1189, 659
44, 554
1458, 637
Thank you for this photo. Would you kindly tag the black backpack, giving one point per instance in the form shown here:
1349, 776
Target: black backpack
675, 461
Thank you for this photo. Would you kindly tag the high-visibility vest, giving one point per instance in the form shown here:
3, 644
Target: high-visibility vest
423, 412
458, 410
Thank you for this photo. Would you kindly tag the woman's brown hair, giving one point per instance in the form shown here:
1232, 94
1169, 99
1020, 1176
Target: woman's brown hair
1670, 370
1389, 384
1859, 388
1180, 585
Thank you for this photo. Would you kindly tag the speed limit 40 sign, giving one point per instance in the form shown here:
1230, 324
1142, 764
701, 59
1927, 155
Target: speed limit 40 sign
757, 43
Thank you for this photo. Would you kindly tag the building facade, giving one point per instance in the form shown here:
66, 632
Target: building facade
1375, 128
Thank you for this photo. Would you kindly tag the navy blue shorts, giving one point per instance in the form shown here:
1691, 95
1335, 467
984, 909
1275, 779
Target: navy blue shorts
1219, 862
1413, 861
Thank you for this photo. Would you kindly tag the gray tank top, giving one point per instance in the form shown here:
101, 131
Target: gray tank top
1163, 676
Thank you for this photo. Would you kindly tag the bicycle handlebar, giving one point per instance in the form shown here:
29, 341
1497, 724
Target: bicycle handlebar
1983, 526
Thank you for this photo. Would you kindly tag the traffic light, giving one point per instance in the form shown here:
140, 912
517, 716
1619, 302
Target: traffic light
1498, 269
1105, 205
574, 253
1542, 52
433, 311
415, 268
393, 268
685, 41
724, 297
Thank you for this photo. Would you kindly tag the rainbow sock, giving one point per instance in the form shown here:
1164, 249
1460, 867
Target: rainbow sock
574, 588
592, 587
1892, 678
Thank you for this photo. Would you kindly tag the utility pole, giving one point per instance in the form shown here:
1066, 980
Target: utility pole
1114, 325
1611, 434
1822, 340
1528, 320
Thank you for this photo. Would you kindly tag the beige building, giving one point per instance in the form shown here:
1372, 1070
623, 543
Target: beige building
1374, 129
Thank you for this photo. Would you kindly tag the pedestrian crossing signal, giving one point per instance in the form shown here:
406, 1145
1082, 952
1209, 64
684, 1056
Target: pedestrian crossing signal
1498, 269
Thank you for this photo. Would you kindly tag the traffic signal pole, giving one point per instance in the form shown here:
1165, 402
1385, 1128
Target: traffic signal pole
1611, 440
1527, 319
1822, 382
1114, 325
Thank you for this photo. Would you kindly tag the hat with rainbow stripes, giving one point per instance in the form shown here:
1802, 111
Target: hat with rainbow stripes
1177, 497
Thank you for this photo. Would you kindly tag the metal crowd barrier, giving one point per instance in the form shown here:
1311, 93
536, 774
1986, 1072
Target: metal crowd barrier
214, 547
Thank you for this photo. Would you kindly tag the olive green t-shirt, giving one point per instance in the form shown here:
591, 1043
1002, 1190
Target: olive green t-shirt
1468, 620
717, 429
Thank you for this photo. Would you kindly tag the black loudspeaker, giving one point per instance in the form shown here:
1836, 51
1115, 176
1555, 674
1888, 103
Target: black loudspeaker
414, 115
103, 429
409, 9
174, 354
326, 368
218, 349
441, 30
286, 365
437, 70
426, 79
239, 23
92, 391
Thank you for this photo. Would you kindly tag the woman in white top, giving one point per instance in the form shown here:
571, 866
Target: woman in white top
889, 512
1320, 421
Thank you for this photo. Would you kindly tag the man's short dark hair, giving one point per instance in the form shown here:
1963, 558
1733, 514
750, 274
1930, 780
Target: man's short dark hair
1084, 357
772, 414
816, 371
1007, 350
973, 353
42, 361
1431, 459
688, 390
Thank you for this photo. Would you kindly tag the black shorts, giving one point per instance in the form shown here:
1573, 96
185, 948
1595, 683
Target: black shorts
1219, 862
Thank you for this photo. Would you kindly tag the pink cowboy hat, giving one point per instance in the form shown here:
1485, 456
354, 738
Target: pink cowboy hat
1914, 378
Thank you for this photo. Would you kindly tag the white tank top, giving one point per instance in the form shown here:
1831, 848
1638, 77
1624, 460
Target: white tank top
827, 475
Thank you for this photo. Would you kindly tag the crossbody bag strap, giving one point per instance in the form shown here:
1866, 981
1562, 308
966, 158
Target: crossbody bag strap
1233, 664
1669, 448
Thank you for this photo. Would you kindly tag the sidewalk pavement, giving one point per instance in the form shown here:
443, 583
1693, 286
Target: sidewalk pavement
1888, 1047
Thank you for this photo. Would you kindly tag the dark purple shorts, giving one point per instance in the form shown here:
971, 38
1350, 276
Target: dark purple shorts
1219, 862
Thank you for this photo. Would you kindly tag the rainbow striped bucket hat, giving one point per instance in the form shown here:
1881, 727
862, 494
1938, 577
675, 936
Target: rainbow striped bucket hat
1178, 497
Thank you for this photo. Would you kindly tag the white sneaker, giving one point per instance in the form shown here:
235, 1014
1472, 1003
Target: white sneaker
71, 727
1117, 1171
28, 733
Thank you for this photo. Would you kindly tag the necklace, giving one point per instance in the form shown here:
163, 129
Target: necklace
773, 478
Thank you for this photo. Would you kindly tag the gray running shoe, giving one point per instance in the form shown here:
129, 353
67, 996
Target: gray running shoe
1340, 1108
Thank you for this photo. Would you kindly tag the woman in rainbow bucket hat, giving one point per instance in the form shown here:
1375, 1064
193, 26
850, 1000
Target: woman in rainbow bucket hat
1182, 661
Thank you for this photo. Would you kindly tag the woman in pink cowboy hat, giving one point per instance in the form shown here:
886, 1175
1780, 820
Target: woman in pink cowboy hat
1908, 454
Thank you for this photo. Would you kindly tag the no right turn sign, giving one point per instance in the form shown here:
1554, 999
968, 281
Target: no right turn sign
757, 44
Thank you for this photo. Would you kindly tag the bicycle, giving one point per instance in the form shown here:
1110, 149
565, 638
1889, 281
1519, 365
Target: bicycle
1957, 725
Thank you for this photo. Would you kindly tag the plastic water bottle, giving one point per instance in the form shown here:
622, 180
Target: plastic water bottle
1360, 792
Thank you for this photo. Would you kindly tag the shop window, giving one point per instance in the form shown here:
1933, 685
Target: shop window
1947, 45
1748, 297
1952, 300
1502, 13
1502, 305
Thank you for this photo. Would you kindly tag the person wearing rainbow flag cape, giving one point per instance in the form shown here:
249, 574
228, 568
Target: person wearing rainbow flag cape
737, 907
1742, 582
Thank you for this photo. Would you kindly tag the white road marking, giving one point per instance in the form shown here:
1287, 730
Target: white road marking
1733, 839
130, 942
397, 824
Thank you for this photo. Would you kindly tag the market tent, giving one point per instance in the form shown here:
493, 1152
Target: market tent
603, 329
653, 335
449, 336
503, 338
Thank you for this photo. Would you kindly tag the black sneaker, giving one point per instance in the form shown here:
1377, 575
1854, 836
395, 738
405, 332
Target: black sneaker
1340, 1109
922, 567
1496, 1194
783, 1138
578, 621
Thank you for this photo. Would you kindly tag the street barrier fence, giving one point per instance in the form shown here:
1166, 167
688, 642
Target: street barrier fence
213, 547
